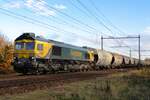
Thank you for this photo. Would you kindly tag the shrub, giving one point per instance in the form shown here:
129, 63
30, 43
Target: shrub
6, 54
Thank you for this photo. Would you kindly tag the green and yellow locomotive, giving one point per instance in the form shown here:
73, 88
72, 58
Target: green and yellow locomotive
34, 54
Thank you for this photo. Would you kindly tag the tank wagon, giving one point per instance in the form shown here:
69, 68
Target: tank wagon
105, 59
37, 55
136, 61
132, 61
147, 62
113, 60
118, 61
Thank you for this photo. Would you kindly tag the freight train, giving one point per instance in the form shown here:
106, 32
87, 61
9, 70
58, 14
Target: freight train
37, 55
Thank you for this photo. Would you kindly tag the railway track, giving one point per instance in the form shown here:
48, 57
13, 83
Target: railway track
21, 84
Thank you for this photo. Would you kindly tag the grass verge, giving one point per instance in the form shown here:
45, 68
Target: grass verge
125, 86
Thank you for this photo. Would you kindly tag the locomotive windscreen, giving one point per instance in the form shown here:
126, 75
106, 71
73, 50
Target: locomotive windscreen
25, 45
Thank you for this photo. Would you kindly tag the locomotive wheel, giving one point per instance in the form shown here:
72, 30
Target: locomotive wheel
24, 72
51, 70
40, 71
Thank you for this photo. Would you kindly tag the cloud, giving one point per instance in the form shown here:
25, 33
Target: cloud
147, 29
39, 7
29, 3
60, 6
16, 5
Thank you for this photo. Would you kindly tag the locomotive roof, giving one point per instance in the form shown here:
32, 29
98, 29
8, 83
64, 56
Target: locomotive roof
91, 49
62, 44
31, 36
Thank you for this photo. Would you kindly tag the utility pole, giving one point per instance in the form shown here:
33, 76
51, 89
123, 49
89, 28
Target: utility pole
130, 53
101, 42
139, 49
128, 37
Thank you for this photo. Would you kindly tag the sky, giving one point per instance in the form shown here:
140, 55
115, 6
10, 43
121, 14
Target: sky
80, 22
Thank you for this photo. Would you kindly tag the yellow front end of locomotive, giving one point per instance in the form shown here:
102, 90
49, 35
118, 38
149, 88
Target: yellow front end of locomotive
32, 48
91, 54
43, 49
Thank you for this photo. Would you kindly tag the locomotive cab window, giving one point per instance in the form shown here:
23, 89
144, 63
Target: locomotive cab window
30, 45
56, 51
87, 56
19, 45
40, 47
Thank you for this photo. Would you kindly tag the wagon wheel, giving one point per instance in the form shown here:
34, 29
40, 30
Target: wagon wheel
66, 68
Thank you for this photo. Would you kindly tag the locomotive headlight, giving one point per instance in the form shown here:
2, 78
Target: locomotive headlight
32, 58
15, 58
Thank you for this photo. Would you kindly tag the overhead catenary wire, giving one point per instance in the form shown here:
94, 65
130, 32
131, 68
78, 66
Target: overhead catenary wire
63, 29
97, 19
81, 10
78, 23
104, 17
72, 18
85, 13
38, 21
68, 24
95, 16
110, 23
63, 22
23, 19
33, 21
99, 12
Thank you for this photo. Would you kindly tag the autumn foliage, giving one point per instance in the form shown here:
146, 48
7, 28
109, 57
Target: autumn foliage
6, 55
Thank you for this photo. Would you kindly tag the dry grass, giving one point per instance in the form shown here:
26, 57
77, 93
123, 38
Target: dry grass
6, 54
115, 88
143, 72
118, 87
